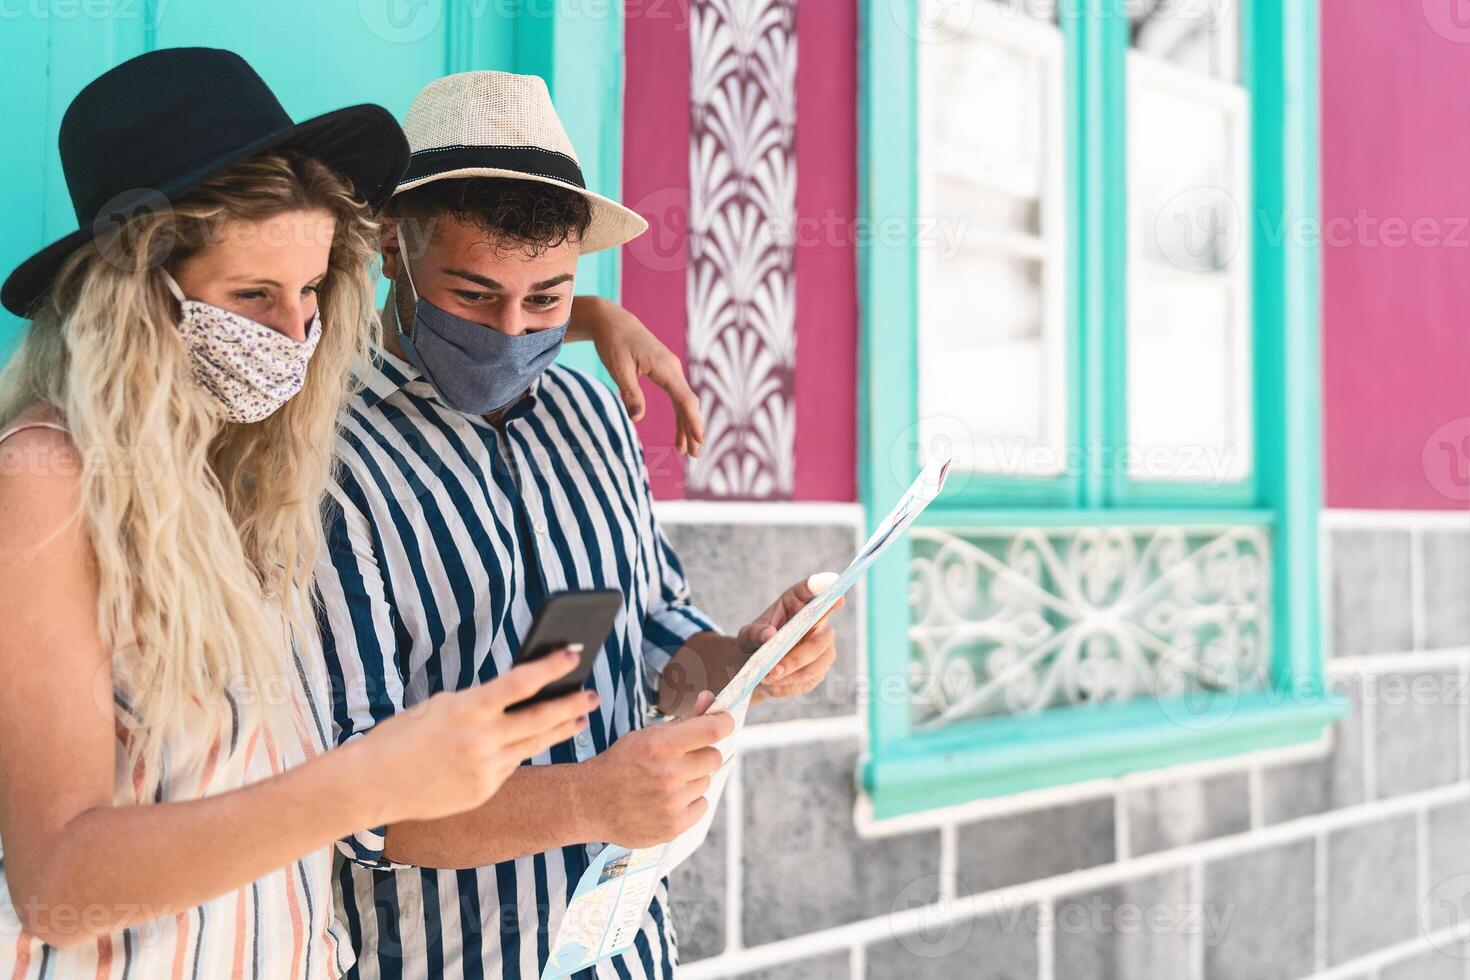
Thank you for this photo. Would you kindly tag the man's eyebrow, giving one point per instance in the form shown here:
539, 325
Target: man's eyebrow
479, 280
489, 283
554, 281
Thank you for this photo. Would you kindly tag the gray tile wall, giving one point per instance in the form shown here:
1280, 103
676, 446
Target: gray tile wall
699, 894
999, 946
1417, 735
1371, 603
1449, 864
1293, 790
1262, 908
1366, 864
1347, 778
1174, 814
1003, 851
805, 866
833, 966
1429, 966
1136, 930
1446, 572
1352, 856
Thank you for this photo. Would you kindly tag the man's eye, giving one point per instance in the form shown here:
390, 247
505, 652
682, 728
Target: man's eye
470, 297
545, 302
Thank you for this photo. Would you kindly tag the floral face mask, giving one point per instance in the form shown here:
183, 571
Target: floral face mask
249, 368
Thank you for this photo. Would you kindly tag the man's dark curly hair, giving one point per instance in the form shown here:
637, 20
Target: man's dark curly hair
524, 213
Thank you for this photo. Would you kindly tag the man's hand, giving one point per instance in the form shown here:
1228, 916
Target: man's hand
649, 787
630, 351
708, 661
805, 666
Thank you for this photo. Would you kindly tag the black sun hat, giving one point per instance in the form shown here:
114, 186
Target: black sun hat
157, 126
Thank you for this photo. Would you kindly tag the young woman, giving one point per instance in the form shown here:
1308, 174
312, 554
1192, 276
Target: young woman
167, 805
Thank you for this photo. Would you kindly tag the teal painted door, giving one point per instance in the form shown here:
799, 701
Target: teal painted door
317, 56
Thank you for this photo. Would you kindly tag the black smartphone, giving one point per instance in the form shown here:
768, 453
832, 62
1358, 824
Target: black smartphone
565, 618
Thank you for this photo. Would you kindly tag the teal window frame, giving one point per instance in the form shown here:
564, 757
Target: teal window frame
582, 60
907, 769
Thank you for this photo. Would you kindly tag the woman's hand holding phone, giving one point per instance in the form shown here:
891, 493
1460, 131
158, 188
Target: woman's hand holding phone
454, 751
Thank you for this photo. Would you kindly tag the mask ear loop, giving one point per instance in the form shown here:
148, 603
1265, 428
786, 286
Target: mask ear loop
397, 307
173, 286
403, 260
404, 340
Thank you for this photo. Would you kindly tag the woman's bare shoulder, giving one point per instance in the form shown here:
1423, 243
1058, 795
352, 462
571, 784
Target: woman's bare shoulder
40, 474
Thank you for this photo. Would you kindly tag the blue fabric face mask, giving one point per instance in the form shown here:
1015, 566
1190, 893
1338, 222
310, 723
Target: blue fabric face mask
476, 369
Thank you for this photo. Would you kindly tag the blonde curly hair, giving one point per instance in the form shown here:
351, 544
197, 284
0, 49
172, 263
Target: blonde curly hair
196, 522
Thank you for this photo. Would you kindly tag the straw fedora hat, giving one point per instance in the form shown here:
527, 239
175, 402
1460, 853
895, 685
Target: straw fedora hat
496, 124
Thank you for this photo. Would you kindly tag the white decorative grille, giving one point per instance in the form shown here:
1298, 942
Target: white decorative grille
742, 272
1016, 621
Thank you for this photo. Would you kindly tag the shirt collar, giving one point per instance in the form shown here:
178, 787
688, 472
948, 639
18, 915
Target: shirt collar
387, 373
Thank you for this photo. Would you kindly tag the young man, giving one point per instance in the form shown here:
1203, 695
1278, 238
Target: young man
477, 479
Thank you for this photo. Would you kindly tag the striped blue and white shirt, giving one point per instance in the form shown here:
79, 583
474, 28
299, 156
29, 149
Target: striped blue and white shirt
444, 535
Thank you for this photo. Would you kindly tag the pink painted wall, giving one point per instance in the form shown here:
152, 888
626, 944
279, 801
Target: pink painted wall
826, 263
1396, 249
656, 184
1396, 253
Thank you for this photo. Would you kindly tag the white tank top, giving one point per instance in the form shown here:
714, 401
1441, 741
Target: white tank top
281, 926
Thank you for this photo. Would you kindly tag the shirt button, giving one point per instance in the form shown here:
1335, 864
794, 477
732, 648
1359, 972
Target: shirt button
540, 527
583, 739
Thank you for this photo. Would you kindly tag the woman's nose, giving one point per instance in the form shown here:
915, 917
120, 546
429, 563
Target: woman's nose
292, 319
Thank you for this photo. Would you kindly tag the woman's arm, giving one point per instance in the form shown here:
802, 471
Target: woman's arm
629, 351
78, 866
